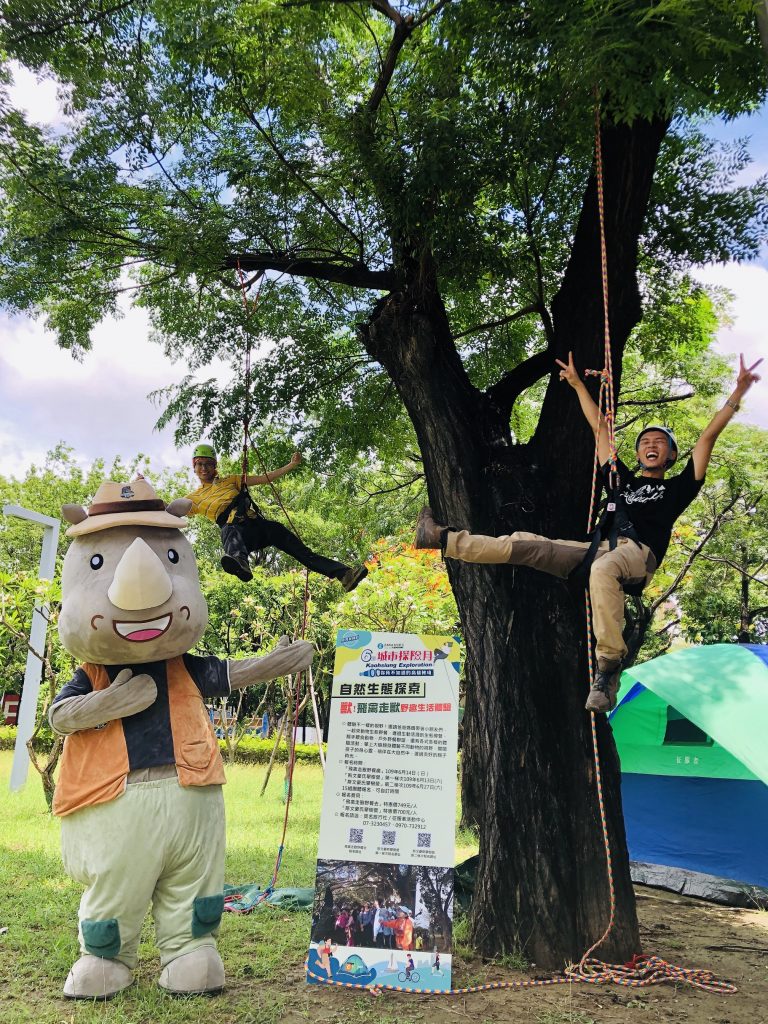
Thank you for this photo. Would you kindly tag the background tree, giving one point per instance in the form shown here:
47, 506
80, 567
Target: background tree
725, 597
244, 620
416, 179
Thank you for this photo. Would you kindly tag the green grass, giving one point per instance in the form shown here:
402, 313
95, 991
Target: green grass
263, 952
38, 904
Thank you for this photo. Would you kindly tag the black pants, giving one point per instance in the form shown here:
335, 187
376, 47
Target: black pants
239, 539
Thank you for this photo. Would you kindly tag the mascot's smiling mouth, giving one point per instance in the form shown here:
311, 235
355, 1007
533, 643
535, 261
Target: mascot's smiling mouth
139, 632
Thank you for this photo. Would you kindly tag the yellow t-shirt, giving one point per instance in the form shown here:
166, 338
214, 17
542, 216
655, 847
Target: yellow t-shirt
211, 499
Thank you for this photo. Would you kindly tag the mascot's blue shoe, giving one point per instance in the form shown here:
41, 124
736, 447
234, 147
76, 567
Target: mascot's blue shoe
197, 973
95, 977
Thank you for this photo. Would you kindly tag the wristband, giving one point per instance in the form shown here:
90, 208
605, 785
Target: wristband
732, 405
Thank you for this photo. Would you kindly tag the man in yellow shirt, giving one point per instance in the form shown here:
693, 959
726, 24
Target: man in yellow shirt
244, 529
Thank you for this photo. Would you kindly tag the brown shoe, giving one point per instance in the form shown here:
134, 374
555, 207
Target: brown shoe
428, 532
602, 693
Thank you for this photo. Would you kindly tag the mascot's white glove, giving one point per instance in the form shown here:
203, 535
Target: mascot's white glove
286, 658
127, 695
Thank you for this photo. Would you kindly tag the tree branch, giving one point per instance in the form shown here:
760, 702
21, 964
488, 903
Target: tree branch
534, 307
549, 329
659, 401
403, 28
736, 566
385, 8
355, 275
505, 392
267, 136
694, 553
49, 28
391, 490
670, 625
430, 13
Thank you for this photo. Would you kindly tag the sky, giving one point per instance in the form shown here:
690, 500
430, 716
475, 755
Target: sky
100, 406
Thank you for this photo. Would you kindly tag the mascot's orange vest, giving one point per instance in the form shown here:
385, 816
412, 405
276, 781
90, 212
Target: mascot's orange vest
94, 764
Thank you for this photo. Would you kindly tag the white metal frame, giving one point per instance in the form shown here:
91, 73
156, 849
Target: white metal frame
34, 667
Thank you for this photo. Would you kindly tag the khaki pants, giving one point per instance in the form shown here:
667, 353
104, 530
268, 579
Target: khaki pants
159, 843
629, 563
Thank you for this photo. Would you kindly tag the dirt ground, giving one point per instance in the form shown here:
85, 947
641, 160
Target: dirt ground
732, 943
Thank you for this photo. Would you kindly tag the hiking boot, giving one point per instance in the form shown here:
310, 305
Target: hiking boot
352, 577
428, 532
605, 686
235, 568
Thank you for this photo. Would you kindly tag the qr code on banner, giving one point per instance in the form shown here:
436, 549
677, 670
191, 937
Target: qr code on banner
355, 835
387, 838
424, 840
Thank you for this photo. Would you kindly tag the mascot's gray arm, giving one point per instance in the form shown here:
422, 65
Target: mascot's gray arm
287, 657
127, 695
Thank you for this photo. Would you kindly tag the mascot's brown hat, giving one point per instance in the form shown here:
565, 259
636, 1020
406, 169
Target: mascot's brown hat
133, 504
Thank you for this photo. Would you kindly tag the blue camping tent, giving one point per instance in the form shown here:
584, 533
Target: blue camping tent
691, 728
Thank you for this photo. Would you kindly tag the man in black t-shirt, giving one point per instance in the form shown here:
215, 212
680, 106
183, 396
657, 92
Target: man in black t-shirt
647, 507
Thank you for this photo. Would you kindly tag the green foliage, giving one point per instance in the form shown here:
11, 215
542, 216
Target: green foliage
720, 545
725, 598
59, 481
344, 516
251, 750
195, 135
411, 594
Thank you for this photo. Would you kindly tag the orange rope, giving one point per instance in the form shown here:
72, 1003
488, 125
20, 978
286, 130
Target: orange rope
605, 399
640, 972
653, 969
247, 407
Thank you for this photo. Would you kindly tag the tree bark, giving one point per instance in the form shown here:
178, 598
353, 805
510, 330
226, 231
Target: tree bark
529, 773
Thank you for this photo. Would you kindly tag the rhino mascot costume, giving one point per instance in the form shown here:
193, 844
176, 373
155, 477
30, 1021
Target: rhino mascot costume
139, 788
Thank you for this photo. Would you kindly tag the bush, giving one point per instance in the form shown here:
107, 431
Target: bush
8, 739
249, 751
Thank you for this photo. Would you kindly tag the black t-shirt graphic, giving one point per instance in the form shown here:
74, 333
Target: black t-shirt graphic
652, 506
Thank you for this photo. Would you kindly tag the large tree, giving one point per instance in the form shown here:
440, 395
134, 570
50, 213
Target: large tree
416, 181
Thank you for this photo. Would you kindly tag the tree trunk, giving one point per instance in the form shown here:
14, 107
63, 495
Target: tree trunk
529, 773
745, 619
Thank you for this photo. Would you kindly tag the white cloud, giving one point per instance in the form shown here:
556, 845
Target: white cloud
98, 406
749, 284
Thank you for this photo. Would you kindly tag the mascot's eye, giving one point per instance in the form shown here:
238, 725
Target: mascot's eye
97, 561
173, 555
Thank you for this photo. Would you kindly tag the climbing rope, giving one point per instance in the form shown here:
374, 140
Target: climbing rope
640, 971
605, 407
250, 309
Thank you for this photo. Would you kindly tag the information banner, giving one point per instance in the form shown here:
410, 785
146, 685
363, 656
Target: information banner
383, 907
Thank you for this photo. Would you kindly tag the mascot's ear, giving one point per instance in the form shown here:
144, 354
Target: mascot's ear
73, 513
179, 506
